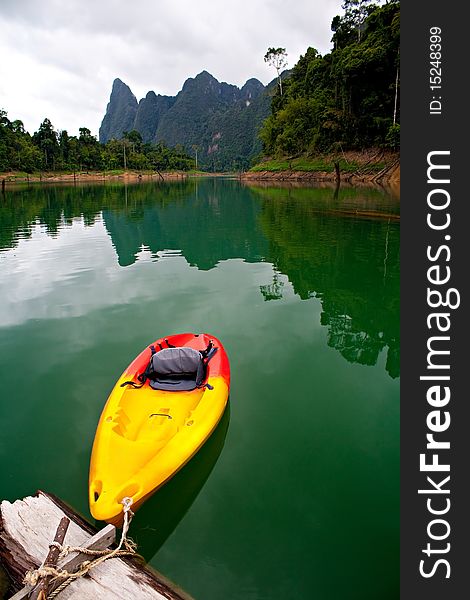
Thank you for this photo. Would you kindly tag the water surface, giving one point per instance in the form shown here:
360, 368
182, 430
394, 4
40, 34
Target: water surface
296, 494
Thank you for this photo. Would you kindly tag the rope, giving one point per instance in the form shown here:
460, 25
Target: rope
32, 577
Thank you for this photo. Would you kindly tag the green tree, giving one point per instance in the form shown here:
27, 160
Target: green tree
355, 14
45, 138
277, 58
17, 151
347, 98
5, 140
89, 148
134, 138
64, 149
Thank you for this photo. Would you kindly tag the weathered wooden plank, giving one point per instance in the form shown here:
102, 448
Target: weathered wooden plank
26, 530
100, 541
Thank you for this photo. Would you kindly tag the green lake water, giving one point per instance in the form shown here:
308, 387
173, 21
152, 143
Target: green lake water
296, 494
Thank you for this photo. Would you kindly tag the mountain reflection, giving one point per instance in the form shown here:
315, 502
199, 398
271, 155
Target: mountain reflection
324, 241
207, 221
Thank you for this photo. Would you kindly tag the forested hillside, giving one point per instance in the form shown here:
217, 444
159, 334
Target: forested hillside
51, 150
347, 99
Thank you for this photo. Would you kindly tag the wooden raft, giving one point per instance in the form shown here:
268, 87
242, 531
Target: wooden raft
27, 528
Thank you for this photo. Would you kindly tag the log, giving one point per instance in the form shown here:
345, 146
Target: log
40, 591
26, 529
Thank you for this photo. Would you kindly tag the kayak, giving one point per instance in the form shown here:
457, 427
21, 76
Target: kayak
162, 409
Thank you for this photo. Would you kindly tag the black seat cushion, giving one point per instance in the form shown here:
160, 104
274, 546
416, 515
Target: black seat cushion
176, 369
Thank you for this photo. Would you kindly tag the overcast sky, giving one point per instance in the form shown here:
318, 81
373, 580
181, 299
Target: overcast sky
58, 58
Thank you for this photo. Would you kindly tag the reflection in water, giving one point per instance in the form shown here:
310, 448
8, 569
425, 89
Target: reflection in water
273, 291
154, 522
309, 473
308, 234
352, 264
207, 224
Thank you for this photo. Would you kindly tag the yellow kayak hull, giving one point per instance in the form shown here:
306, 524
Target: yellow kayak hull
145, 436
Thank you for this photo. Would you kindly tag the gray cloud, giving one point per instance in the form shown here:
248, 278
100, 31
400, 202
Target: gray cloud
58, 59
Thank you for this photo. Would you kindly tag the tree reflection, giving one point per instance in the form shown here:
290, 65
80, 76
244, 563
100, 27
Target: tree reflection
323, 239
273, 291
351, 264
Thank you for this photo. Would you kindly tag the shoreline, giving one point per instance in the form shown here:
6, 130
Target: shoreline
372, 167
369, 166
390, 175
101, 176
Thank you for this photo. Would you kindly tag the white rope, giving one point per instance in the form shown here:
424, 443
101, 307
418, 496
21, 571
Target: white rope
128, 514
32, 577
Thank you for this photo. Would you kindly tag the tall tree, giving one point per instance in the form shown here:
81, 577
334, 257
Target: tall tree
355, 13
89, 148
46, 139
134, 138
277, 58
64, 147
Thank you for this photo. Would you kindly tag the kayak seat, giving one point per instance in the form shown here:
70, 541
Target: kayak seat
176, 370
